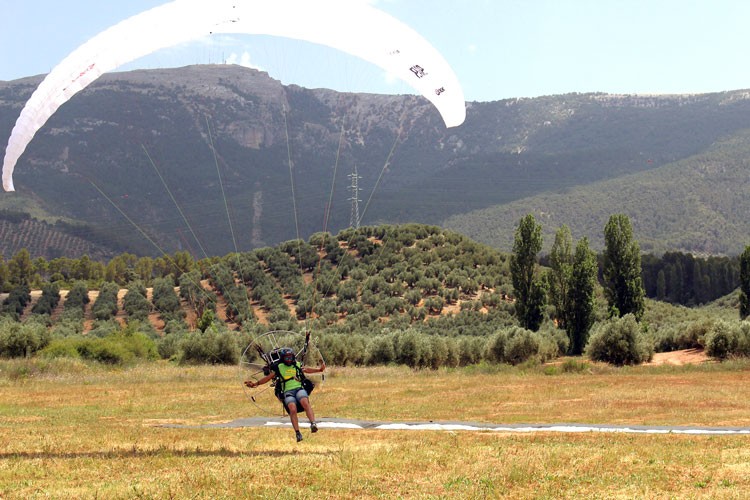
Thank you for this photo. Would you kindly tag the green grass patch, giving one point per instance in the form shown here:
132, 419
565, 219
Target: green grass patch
72, 428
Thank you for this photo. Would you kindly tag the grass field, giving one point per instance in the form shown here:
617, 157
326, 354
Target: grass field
71, 430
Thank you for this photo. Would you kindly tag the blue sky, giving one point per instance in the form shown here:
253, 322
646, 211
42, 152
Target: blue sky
498, 48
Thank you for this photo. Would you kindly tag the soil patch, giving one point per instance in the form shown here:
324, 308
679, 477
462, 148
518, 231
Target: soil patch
682, 357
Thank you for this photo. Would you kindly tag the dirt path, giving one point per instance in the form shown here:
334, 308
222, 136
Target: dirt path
678, 358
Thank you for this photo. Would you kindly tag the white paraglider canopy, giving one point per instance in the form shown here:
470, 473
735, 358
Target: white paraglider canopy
351, 26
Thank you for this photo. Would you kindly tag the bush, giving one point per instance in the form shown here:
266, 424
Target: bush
743, 346
103, 329
165, 299
470, 350
168, 346
575, 366
380, 350
67, 327
413, 349
121, 348
22, 339
48, 301
688, 335
135, 303
521, 346
105, 306
210, 347
495, 348
552, 343
78, 296
61, 348
343, 349
723, 340
16, 301
438, 352
104, 351
619, 341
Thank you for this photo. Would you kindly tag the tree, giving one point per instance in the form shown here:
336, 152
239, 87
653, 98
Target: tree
3, 273
144, 269
745, 283
561, 264
581, 297
623, 285
20, 268
530, 293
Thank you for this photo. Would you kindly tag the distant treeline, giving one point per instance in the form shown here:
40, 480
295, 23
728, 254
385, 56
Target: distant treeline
684, 279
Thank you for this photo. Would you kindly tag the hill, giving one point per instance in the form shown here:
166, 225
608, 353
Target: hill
366, 279
217, 158
693, 205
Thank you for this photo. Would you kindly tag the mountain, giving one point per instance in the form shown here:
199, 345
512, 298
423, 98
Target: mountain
203, 158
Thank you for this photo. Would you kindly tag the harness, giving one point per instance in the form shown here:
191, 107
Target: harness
307, 384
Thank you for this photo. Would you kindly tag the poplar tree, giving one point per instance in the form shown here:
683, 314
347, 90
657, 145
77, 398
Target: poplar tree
559, 276
581, 297
623, 285
530, 292
745, 283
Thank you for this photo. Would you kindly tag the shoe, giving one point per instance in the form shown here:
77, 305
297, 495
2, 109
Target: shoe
299, 436
313, 427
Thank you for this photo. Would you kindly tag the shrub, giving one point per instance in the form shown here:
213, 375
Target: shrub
438, 352
16, 301
48, 301
687, 335
470, 350
552, 343
453, 358
104, 351
495, 349
413, 350
103, 329
22, 339
723, 340
210, 347
575, 366
135, 303
380, 350
521, 346
743, 345
121, 348
61, 348
343, 349
168, 346
619, 341
67, 327
105, 306
76, 301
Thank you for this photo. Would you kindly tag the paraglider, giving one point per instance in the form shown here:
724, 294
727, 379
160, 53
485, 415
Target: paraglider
350, 26
261, 361
284, 368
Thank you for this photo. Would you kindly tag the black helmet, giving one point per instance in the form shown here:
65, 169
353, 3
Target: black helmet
286, 355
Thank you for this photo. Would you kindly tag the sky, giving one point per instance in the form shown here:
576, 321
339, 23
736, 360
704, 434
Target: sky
499, 49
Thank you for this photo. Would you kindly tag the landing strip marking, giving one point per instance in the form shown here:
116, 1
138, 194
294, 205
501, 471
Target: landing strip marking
335, 423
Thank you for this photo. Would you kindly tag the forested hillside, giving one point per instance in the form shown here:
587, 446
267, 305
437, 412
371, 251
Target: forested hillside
693, 205
203, 157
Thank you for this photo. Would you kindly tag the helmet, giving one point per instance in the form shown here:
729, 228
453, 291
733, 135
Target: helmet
286, 355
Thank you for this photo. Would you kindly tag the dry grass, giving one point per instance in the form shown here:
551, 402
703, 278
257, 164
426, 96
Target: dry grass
74, 431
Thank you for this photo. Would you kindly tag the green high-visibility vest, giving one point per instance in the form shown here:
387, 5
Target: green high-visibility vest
288, 376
